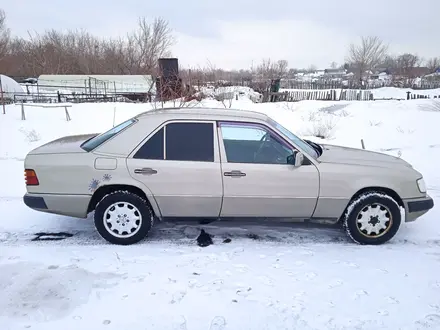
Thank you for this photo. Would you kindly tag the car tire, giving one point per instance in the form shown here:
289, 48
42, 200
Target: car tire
372, 218
123, 218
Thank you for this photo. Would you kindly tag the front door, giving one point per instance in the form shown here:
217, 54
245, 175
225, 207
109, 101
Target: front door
258, 181
180, 165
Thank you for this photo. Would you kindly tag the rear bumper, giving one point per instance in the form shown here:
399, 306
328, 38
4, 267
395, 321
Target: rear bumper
34, 202
414, 208
68, 205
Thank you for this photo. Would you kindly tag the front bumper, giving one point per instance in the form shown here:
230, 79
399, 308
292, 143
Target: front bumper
414, 208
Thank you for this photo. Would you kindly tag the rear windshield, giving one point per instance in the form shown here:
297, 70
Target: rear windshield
96, 141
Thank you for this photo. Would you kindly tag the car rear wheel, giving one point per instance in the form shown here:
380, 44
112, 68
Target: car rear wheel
123, 218
372, 218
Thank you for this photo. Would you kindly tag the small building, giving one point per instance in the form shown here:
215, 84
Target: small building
335, 73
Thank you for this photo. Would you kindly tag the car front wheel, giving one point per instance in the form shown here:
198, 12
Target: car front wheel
372, 218
123, 218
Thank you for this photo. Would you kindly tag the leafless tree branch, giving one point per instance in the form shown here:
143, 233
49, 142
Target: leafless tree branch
4, 34
366, 55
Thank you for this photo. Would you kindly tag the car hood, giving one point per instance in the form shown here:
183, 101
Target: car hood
64, 145
353, 156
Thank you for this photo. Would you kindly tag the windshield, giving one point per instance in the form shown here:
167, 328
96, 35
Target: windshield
101, 138
294, 139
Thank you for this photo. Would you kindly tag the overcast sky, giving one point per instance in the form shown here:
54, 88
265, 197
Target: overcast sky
236, 33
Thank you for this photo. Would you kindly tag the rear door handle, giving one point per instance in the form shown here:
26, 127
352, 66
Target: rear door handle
234, 174
145, 171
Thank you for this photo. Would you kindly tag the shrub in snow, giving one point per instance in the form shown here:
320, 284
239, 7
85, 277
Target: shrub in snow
322, 129
432, 105
408, 131
312, 116
375, 123
31, 136
289, 106
320, 126
343, 113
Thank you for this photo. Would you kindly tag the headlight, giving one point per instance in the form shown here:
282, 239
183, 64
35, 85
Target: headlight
422, 185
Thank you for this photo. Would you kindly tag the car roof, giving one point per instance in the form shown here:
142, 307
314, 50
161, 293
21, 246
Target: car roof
206, 111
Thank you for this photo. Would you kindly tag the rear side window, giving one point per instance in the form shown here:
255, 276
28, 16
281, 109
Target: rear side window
153, 148
96, 141
190, 142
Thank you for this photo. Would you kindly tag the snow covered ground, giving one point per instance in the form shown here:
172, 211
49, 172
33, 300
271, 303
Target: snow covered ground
291, 277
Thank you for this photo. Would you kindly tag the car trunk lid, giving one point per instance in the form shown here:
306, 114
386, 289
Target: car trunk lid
64, 145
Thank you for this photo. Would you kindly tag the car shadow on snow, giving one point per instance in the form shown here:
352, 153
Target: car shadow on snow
187, 232
241, 231
59, 230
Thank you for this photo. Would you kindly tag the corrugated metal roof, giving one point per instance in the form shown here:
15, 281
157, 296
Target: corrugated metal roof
98, 83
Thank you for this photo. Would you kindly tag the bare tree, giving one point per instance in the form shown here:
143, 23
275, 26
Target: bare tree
265, 70
282, 67
268, 69
4, 34
312, 68
406, 64
291, 73
146, 45
433, 63
407, 60
79, 52
210, 72
389, 62
366, 55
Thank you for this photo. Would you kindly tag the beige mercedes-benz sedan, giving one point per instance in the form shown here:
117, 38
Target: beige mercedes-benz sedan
204, 163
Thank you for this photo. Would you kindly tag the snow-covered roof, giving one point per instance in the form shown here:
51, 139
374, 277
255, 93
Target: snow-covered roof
99, 83
9, 86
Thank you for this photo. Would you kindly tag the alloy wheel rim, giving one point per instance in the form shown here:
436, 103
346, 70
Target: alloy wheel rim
374, 220
122, 219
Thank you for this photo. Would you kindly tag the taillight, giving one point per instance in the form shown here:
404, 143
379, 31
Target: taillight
31, 178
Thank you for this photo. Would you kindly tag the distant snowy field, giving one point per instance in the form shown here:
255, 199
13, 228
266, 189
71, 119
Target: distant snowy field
291, 277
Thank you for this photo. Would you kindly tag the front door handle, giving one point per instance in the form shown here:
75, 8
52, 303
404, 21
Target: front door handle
234, 174
145, 171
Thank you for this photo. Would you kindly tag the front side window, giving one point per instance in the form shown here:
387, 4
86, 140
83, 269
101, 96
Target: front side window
295, 139
247, 143
189, 142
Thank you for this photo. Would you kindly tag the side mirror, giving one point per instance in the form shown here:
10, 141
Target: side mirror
296, 159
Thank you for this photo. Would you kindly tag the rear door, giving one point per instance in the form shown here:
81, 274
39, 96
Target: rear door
179, 162
257, 180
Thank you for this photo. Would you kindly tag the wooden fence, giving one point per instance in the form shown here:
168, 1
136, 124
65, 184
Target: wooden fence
351, 84
412, 96
55, 97
319, 95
